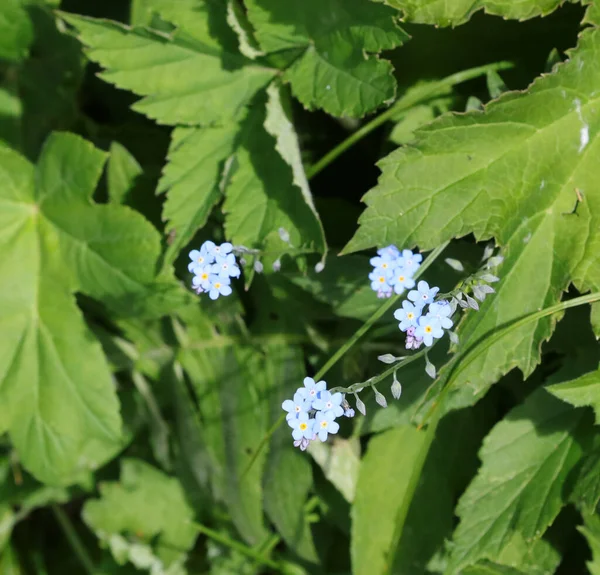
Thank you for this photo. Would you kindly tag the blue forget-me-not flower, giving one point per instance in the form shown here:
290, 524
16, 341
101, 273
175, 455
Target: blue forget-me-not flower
408, 316
393, 271
423, 295
213, 265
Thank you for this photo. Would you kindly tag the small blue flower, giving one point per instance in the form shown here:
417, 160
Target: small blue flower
199, 258
390, 250
400, 280
303, 427
441, 311
226, 266
311, 389
327, 402
203, 278
222, 250
410, 262
423, 295
379, 282
429, 328
383, 264
219, 286
349, 412
296, 406
325, 424
408, 316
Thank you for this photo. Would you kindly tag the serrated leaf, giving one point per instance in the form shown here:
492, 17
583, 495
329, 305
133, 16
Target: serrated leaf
238, 20
148, 505
278, 123
57, 395
521, 484
452, 182
16, 31
586, 490
382, 482
184, 78
192, 176
442, 13
584, 390
336, 69
260, 198
591, 531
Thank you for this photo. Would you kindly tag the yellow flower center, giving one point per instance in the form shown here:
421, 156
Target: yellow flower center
204, 276
200, 259
410, 315
217, 285
401, 278
381, 279
303, 426
384, 266
428, 329
323, 424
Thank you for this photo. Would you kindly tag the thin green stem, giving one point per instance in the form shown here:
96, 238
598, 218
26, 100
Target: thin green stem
237, 546
344, 349
411, 98
73, 539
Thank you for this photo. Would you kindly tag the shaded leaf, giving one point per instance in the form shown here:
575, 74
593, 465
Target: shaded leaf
584, 390
591, 531
16, 31
122, 171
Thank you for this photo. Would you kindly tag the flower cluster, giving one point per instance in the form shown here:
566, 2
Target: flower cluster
393, 271
312, 412
213, 267
421, 327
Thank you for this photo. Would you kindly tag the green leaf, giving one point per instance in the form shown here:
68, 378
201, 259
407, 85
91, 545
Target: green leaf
16, 31
122, 172
489, 568
591, 531
260, 198
336, 69
521, 484
147, 506
382, 482
192, 177
452, 181
586, 491
57, 395
584, 390
457, 12
185, 77
233, 423
238, 20
279, 124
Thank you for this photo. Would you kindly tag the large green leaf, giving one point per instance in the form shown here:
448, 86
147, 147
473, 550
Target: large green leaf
260, 198
512, 172
384, 478
192, 176
16, 31
584, 390
442, 13
231, 402
336, 68
185, 77
591, 531
144, 514
521, 485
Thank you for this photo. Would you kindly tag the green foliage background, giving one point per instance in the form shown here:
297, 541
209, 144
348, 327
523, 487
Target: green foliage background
139, 421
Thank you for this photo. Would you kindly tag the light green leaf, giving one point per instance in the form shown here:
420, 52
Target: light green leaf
384, 477
591, 531
442, 13
260, 198
336, 69
233, 423
521, 484
192, 177
489, 568
584, 390
16, 31
340, 460
238, 20
57, 396
513, 175
279, 124
147, 506
184, 78
122, 172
